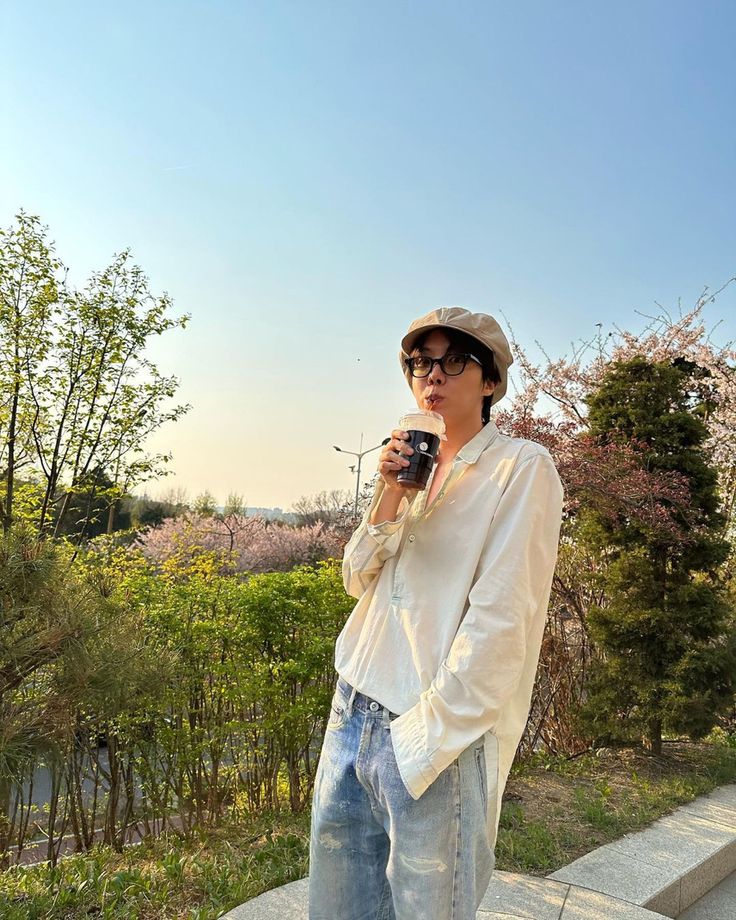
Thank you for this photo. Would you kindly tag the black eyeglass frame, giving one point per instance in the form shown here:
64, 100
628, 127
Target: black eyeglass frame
409, 362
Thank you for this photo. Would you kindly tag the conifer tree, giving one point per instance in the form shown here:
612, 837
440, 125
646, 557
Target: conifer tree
666, 634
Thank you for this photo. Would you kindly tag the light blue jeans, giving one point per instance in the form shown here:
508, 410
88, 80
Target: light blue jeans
375, 852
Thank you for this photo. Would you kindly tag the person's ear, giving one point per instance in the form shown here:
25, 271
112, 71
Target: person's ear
488, 388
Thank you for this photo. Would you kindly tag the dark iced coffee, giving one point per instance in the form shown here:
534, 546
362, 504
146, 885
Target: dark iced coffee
425, 429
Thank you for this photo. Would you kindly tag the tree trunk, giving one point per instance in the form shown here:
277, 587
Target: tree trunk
654, 740
111, 516
5, 793
10, 479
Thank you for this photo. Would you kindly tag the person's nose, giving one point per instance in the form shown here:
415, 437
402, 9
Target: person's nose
436, 375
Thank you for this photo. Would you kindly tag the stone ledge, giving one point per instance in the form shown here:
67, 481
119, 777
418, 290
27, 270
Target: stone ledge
671, 864
522, 897
526, 897
718, 904
654, 873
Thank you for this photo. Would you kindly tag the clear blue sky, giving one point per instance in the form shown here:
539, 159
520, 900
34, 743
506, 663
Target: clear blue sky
306, 178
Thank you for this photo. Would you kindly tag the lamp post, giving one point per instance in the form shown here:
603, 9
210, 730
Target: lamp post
359, 454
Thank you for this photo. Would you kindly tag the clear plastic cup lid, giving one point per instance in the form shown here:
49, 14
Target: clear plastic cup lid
423, 420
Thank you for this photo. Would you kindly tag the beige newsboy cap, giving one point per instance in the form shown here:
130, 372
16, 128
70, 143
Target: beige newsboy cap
480, 325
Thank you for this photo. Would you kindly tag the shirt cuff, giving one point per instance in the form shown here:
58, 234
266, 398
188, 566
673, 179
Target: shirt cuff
415, 768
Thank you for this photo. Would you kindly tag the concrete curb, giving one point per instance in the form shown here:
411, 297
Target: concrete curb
654, 873
665, 867
509, 897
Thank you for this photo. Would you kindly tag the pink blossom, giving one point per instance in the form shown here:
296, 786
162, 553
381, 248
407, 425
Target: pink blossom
247, 544
613, 477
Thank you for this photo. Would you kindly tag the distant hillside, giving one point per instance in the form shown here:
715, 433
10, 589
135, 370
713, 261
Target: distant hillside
272, 514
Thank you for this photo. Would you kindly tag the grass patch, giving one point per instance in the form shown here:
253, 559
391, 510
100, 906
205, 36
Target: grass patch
554, 810
165, 878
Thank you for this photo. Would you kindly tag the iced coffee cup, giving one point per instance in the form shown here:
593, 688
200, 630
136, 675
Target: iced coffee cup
425, 429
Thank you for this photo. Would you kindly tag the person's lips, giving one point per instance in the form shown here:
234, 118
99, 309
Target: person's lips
433, 399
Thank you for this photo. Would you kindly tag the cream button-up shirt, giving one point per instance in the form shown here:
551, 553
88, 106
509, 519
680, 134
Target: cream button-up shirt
452, 604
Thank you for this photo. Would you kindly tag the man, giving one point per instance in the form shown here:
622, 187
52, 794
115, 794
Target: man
437, 660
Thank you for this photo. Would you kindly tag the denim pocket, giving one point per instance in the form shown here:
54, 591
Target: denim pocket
337, 715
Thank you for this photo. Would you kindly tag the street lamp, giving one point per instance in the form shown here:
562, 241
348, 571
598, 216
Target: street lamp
359, 454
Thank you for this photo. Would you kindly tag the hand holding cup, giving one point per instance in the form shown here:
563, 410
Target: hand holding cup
423, 430
393, 459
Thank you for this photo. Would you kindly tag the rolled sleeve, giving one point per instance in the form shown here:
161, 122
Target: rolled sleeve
372, 544
491, 649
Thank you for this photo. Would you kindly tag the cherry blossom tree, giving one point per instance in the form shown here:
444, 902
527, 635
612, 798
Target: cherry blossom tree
246, 544
614, 479
567, 381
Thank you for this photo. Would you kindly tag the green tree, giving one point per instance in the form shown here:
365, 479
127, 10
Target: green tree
45, 615
234, 504
205, 504
144, 511
78, 392
93, 508
666, 632
28, 295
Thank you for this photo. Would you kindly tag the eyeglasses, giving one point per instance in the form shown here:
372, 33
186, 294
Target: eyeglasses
452, 364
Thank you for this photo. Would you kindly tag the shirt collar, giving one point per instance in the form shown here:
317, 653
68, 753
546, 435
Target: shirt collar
470, 452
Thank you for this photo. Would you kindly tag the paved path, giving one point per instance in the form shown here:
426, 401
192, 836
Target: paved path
718, 904
682, 866
509, 897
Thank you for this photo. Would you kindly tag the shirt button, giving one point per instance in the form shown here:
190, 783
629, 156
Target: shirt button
374, 706
412, 538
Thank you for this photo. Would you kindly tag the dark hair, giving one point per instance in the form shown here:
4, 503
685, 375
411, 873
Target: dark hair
462, 341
